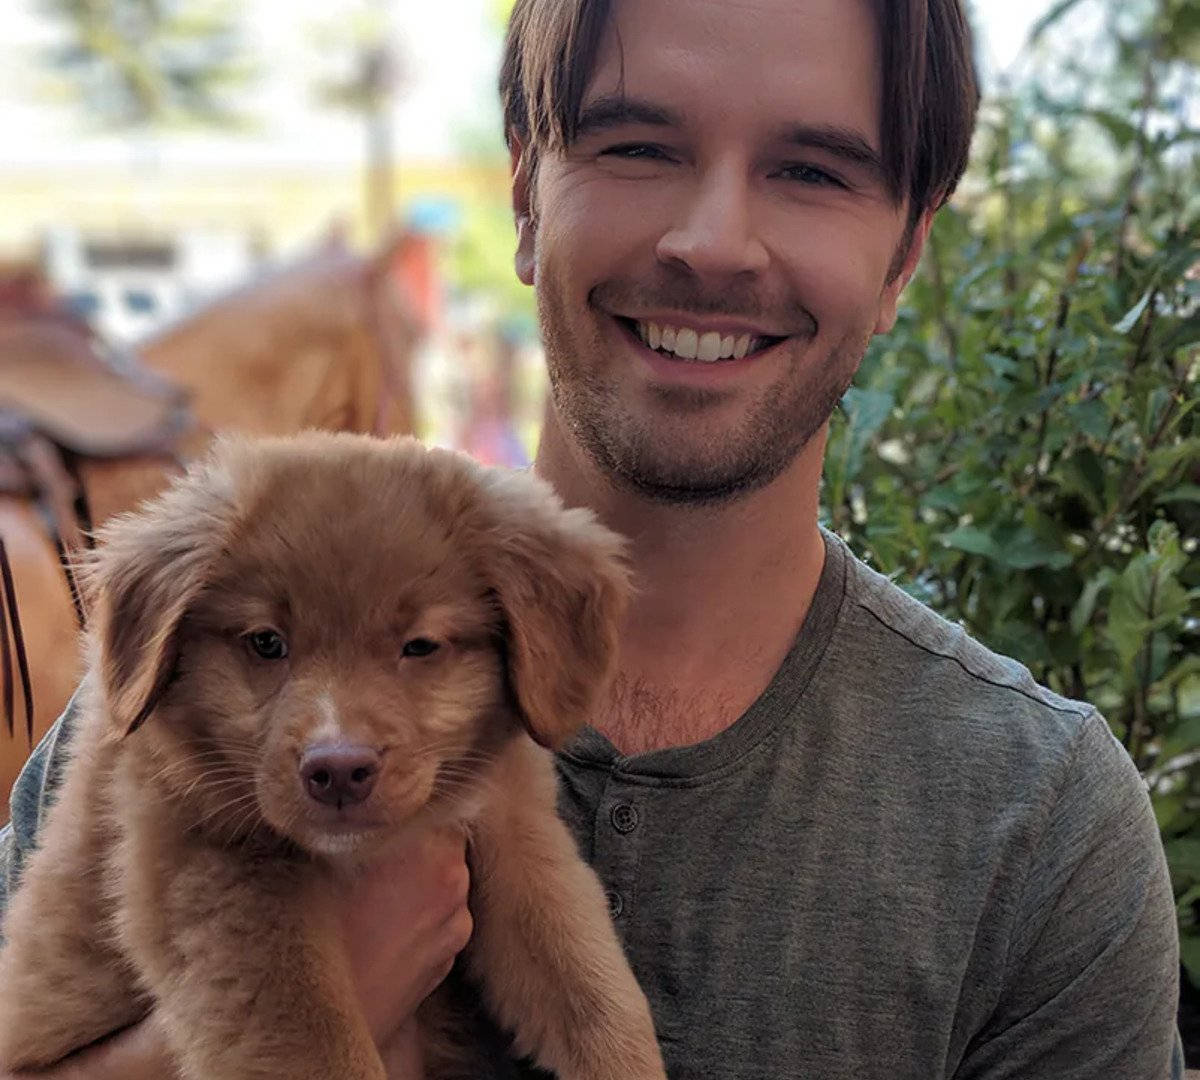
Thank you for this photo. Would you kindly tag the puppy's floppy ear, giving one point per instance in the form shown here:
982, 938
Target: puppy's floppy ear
563, 584
148, 569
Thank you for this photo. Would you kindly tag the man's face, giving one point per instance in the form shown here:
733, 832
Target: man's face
724, 195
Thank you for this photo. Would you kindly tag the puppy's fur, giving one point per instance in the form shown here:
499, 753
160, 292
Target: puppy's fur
188, 868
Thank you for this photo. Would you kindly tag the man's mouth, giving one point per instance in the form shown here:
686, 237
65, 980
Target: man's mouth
708, 347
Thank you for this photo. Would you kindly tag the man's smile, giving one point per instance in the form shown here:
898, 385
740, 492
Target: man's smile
708, 346
681, 339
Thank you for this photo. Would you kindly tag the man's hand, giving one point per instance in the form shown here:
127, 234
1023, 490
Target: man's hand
405, 921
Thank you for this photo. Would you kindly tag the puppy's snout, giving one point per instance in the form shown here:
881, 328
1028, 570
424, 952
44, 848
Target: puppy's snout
339, 774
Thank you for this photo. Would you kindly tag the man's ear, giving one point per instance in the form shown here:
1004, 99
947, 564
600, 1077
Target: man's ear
890, 299
562, 583
147, 572
522, 203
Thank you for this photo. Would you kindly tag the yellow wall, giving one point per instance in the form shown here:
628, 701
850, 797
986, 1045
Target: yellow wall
286, 207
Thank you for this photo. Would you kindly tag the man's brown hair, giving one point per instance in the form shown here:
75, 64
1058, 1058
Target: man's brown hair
929, 98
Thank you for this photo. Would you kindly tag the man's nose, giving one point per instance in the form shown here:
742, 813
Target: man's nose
713, 233
339, 773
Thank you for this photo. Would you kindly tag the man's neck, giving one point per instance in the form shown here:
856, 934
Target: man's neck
721, 592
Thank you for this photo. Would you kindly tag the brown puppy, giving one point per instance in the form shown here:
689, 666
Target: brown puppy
302, 650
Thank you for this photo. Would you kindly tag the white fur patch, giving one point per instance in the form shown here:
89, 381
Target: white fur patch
329, 727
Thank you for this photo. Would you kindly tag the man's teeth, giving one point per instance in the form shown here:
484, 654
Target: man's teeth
689, 345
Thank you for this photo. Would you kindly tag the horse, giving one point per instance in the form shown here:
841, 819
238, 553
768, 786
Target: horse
325, 342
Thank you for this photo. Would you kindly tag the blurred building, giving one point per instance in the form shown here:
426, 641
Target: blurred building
283, 207
128, 285
132, 249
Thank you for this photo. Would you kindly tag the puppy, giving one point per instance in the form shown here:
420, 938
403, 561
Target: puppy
303, 651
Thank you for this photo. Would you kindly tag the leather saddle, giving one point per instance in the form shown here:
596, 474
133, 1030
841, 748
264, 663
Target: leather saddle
61, 401
55, 378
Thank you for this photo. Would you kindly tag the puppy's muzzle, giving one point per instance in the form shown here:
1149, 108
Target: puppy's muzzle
339, 774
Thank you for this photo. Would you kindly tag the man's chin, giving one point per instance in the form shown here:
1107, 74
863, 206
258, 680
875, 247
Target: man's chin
693, 482
684, 445
688, 401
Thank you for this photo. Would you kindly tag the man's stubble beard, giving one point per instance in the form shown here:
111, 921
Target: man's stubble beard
629, 451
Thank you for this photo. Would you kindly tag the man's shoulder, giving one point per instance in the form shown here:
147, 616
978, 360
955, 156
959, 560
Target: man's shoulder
935, 681
33, 792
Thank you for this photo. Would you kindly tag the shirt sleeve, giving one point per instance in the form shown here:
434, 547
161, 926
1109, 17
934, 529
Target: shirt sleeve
1092, 979
31, 796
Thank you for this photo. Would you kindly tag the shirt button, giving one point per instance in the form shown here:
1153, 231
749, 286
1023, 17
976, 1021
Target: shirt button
615, 904
624, 818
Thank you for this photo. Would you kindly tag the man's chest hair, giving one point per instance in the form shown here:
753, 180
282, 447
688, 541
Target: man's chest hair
639, 717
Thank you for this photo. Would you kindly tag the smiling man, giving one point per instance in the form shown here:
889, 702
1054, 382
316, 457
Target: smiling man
717, 235
839, 838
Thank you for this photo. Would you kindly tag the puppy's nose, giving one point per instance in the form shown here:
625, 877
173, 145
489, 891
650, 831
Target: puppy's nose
339, 774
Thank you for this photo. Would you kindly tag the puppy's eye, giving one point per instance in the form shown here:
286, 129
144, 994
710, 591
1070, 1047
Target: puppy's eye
420, 647
268, 644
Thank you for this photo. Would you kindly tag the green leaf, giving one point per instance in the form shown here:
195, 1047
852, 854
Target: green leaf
1162, 540
1085, 606
1090, 418
1167, 809
1126, 628
1189, 955
1183, 857
973, 540
1182, 737
1084, 473
1026, 552
1147, 596
1183, 906
1180, 493
864, 412
1130, 318
1000, 365
1188, 667
944, 497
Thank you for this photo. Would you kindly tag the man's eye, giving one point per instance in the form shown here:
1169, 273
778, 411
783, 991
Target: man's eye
810, 174
634, 152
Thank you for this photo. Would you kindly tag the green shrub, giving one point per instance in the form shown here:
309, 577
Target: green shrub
1023, 451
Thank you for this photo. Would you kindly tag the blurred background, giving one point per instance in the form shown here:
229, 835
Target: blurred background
160, 152
271, 213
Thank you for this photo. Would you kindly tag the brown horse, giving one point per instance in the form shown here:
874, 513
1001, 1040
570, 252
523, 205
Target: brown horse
327, 343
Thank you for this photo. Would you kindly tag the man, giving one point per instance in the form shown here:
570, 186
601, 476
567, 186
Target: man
840, 839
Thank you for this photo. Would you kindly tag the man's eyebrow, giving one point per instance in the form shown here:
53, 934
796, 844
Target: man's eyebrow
846, 143
614, 110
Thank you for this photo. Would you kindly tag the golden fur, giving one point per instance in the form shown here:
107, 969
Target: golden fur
185, 866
